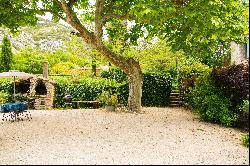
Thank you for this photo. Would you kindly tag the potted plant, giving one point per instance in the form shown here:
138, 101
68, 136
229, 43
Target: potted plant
110, 101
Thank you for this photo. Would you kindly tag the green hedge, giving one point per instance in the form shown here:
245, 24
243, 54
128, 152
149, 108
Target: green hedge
114, 73
155, 92
156, 89
88, 89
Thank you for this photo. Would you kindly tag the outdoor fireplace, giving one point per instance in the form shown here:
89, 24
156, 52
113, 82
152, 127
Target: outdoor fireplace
40, 89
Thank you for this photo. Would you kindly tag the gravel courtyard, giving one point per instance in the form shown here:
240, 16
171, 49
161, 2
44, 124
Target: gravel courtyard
95, 136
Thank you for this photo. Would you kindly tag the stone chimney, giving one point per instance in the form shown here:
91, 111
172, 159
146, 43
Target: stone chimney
45, 69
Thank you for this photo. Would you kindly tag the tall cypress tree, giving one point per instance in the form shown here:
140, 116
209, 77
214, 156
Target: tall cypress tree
6, 58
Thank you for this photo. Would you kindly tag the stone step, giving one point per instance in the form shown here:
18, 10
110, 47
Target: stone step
174, 94
174, 105
176, 102
175, 99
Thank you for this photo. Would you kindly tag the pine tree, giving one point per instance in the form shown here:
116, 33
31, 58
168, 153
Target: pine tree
6, 58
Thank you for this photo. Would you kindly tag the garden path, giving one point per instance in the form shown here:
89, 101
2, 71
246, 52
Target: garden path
95, 136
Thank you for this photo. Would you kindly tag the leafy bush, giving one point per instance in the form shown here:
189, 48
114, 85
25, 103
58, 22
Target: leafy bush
114, 73
209, 102
3, 97
108, 99
233, 81
29, 61
189, 73
243, 109
245, 140
62, 68
7, 88
21, 98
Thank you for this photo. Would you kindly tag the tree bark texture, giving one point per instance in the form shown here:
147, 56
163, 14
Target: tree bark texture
135, 79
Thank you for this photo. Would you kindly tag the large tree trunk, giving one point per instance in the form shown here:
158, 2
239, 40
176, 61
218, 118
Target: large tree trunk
129, 66
135, 79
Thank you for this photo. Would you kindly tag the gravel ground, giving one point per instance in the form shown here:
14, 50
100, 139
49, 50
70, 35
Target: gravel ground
95, 136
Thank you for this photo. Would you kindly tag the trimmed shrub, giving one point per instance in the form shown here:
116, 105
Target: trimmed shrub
88, 89
156, 89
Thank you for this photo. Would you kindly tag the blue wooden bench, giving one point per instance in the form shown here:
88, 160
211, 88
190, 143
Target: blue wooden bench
15, 111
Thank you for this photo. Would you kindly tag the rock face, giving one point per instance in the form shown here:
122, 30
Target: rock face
46, 36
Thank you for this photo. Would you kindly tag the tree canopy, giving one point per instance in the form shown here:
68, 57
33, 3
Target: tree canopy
195, 26
16, 13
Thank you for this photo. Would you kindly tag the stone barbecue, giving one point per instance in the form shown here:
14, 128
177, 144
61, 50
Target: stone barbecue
39, 89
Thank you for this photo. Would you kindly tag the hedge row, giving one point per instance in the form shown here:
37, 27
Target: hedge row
83, 91
156, 89
155, 92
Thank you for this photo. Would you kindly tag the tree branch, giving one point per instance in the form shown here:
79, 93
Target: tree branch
91, 39
58, 3
110, 6
99, 19
72, 20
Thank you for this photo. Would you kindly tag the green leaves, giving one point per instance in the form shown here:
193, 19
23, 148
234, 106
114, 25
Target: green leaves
16, 13
193, 26
207, 100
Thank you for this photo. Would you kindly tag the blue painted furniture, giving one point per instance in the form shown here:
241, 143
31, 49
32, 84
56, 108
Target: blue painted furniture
14, 111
